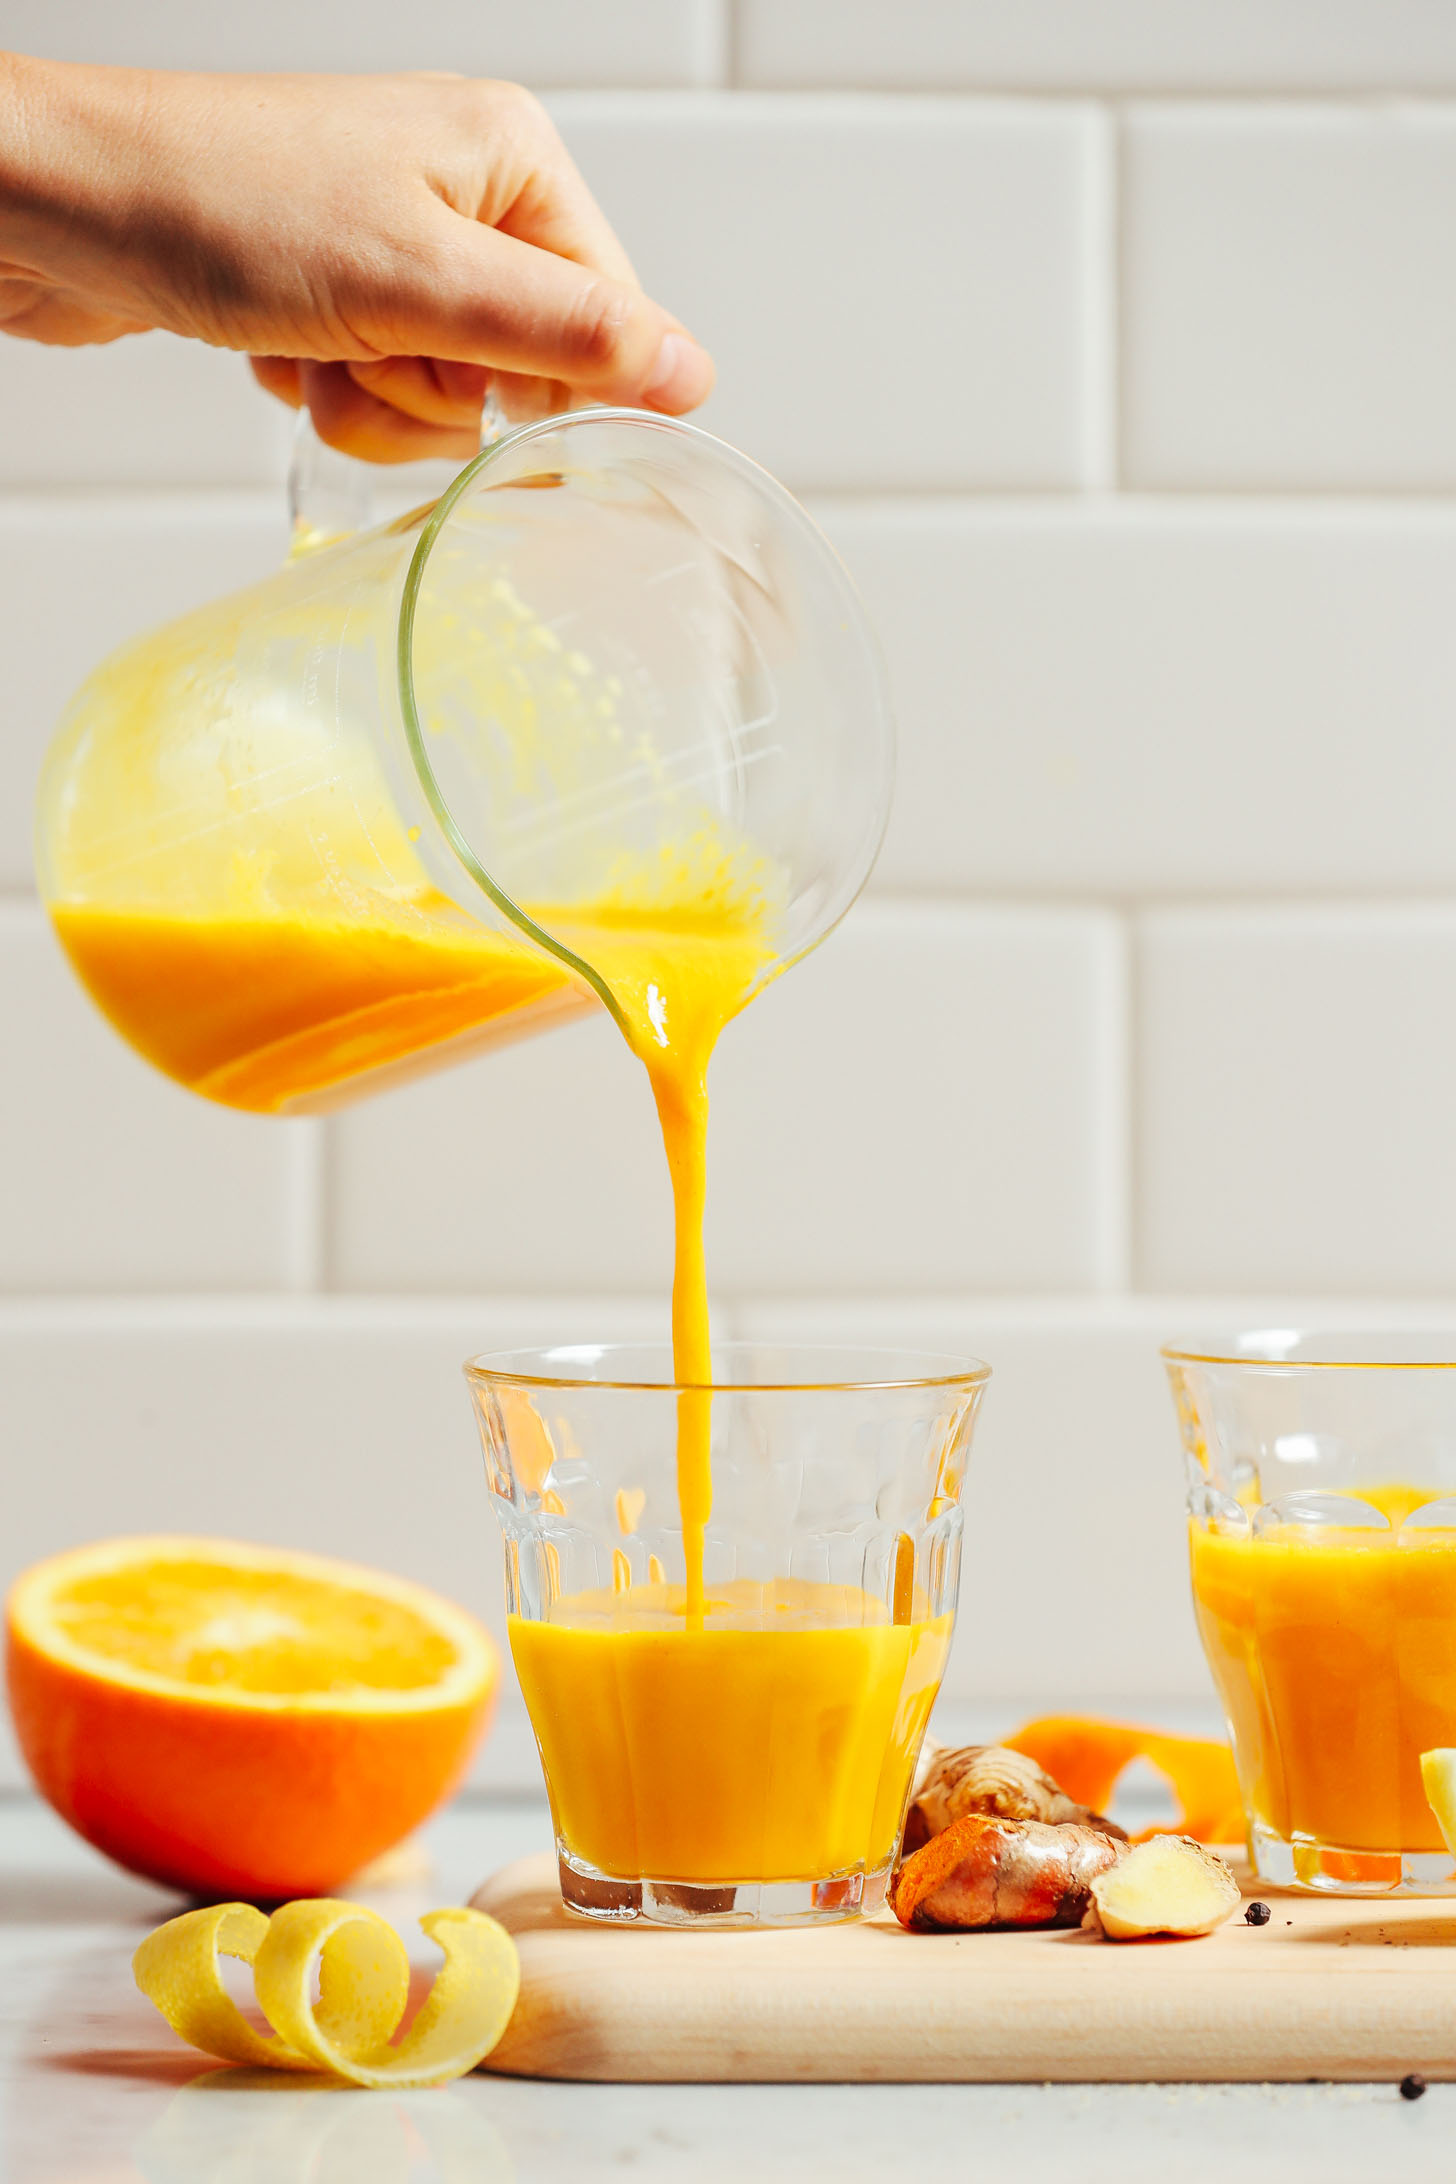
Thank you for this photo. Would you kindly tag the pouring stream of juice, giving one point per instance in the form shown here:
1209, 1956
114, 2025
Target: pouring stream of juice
263, 1011
676, 992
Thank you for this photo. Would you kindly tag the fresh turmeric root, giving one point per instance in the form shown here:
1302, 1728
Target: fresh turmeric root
1086, 1757
996, 1782
1167, 1885
983, 1872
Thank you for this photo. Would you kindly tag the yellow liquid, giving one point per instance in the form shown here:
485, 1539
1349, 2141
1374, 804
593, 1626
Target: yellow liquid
774, 1742
1334, 1652
279, 1014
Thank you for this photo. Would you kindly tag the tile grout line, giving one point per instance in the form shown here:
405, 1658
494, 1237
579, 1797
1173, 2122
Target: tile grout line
1112, 1116
183, 1315
1101, 366
723, 44
304, 1154
991, 90
1133, 1185
60, 506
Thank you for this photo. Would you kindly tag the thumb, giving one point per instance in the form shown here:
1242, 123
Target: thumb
481, 297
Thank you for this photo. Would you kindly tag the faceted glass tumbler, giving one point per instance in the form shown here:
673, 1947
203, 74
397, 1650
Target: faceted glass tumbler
1322, 1531
750, 1766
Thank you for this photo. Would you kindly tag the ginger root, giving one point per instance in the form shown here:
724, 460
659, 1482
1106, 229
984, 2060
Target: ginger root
996, 1782
1166, 1885
983, 1871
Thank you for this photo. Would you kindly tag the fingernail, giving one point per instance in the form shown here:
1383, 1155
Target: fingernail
681, 377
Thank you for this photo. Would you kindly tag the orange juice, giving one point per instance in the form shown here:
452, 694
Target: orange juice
277, 1014
1334, 1651
677, 989
773, 1742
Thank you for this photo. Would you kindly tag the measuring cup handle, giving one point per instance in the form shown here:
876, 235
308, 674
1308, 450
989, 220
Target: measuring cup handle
331, 494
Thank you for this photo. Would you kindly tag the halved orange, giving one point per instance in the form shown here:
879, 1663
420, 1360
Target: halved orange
238, 1720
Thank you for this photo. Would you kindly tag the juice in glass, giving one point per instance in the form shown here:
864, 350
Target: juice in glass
813, 1701
729, 1706
1325, 1594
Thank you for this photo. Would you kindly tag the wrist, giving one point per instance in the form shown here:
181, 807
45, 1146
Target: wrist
67, 154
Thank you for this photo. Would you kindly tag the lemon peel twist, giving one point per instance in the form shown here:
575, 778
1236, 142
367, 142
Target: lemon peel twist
363, 1987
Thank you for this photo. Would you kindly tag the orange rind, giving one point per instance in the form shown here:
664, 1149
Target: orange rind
1086, 1755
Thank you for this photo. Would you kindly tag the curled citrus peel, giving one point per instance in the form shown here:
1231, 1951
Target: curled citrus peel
363, 1987
1086, 1756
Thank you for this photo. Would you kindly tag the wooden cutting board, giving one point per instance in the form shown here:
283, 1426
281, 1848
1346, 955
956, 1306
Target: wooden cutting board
1329, 1989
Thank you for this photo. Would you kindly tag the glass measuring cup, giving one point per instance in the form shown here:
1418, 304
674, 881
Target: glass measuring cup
377, 811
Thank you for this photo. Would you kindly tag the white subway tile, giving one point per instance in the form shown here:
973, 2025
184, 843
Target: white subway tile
1214, 698
920, 1104
896, 291
78, 577
922, 1101
1294, 1102
1065, 45
110, 1176
1074, 1585
150, 410
548, 42
537, 1168
1289, 315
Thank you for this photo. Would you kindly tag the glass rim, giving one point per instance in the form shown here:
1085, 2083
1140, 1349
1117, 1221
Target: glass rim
504, 1368
1285, 1350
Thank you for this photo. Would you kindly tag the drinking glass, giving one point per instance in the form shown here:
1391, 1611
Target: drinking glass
1322, 1529
753, 1769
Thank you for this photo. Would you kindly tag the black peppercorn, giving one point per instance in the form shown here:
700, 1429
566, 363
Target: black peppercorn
1257, 1914
1412, 2086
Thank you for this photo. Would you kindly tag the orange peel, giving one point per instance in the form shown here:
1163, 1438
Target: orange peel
1086, 1756
363, 1988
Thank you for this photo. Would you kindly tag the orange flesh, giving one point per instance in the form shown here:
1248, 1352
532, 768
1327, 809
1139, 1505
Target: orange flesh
216, 1625
1334, 1651
774, 1742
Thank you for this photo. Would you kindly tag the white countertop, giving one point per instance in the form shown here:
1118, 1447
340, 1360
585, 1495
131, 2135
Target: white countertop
97, 2091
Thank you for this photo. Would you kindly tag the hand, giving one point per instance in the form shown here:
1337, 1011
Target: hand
380, 245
